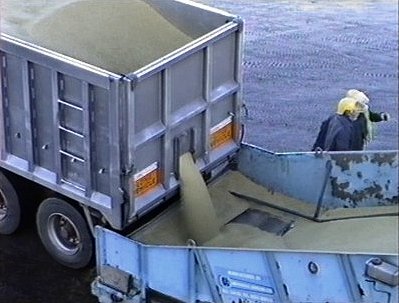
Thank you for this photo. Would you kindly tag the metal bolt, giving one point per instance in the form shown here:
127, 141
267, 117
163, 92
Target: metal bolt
376, 261
313, 267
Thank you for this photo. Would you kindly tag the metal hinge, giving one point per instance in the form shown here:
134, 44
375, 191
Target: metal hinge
382, 271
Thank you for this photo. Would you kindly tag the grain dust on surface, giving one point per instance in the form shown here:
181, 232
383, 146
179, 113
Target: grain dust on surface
119, 36
357, 235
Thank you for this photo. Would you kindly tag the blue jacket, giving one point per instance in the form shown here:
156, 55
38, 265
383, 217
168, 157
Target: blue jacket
336, 134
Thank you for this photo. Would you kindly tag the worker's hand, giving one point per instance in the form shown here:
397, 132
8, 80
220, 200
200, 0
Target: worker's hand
385, 116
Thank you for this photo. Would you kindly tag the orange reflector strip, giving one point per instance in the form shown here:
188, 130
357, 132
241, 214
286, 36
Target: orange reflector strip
222, 133
147, 179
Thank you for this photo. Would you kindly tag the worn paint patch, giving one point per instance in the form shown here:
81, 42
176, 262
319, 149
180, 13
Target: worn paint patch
345, 161
385, 158
342, 191
363, 179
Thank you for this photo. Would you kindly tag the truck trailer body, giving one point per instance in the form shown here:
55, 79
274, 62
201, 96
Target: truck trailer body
108, 141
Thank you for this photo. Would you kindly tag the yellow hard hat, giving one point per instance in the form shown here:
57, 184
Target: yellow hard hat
358, 96
347, 105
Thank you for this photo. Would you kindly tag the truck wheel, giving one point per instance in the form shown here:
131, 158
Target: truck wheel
10, 210
64, 233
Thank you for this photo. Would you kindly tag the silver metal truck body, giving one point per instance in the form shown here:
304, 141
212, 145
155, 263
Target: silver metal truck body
111, 141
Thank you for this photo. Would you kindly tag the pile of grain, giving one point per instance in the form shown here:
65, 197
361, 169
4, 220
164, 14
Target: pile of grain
120, 36
347, 235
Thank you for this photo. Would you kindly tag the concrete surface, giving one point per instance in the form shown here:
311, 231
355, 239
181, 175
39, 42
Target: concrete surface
300, 58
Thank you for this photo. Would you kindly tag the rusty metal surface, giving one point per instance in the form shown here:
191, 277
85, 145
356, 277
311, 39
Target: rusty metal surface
354, 179
365, 179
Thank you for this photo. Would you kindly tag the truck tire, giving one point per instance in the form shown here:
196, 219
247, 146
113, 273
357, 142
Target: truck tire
10, 210
64, 233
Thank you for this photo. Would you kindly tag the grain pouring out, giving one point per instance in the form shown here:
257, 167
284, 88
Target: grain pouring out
198, 212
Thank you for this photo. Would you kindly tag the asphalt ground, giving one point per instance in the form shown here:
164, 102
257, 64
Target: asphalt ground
300, 58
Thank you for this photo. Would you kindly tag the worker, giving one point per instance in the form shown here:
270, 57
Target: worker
337, 131
363, 126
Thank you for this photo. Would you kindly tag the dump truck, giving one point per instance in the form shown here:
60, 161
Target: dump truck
96, 112
102, 134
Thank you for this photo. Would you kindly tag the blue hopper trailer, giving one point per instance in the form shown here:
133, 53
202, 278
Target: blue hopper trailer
295, 227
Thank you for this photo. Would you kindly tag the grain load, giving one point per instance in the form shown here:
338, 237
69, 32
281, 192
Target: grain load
120, 36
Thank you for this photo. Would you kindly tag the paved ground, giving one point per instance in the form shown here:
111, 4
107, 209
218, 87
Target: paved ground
300, 58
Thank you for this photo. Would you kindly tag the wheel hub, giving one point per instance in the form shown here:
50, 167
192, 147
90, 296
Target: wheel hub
63, 233
3, 206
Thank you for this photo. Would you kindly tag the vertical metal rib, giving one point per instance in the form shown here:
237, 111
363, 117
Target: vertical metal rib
115, 161
130, 133
29, 124
2, 109
56, 123
346, 265
239, 79
272, 264
87, 137
167, 145
208, 80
